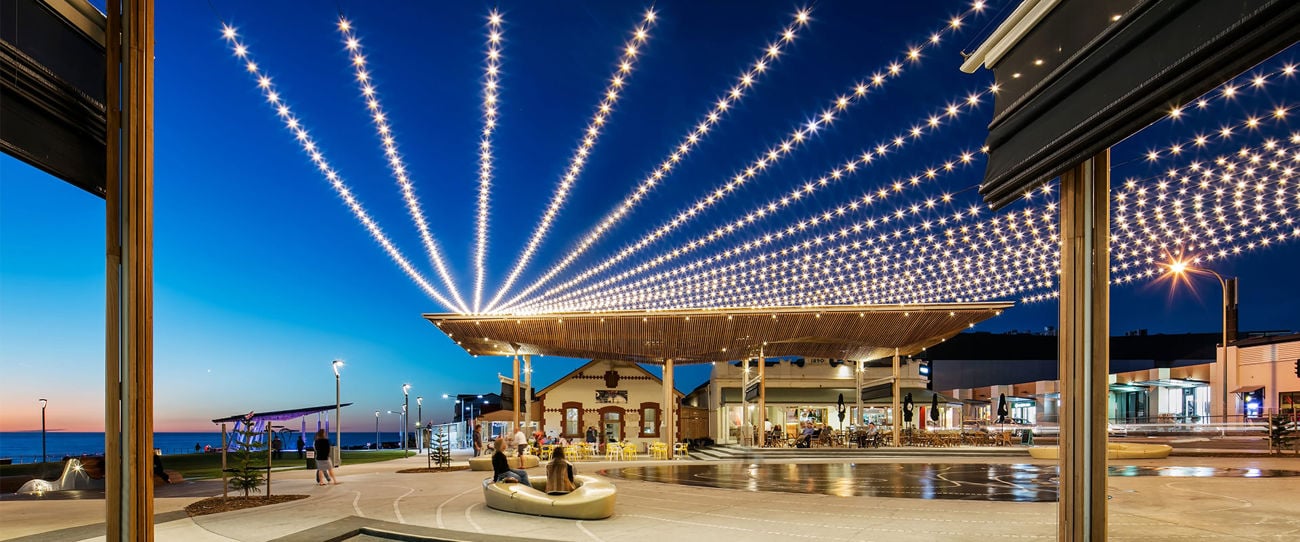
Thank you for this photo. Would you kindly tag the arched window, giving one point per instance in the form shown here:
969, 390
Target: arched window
572, 419
649, 420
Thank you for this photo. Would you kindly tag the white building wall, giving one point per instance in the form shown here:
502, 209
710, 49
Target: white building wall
1271, 366
583, 386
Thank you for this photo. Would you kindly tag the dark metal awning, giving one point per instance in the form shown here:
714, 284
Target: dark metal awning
884, 394
1247, 389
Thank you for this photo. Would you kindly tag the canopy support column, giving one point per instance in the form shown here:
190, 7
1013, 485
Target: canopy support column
857, 392
668, 432
128, 360
516, 394
898, 410
528, 387
1084, 347
762, 399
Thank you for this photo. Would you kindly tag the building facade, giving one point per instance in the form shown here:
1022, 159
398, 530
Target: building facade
811, 390
621, 400
1264, 376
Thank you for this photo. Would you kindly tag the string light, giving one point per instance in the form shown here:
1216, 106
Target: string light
581, 155
317, 156
719, 193
384, 131
747, 79
491, 82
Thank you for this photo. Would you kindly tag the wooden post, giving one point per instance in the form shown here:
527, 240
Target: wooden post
668, 433
762, 399
224, 485
1084, 348
857, 392
895, 402
516, 394
528, 389
742, 434
128, 360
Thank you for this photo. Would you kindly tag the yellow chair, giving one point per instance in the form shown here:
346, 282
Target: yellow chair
547, 450
613, 452
679, 450
659, 451
629, 451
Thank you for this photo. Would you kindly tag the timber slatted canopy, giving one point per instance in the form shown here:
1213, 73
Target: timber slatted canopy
859, 332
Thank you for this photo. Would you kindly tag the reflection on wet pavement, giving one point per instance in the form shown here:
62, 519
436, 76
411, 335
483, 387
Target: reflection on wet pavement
985, 482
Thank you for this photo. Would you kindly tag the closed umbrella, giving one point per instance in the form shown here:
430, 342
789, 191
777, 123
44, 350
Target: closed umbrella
1002, 408
839, 406
907, 408
934, 407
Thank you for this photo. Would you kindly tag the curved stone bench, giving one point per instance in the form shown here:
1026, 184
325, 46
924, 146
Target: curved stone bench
1114, 450
484, 462
593, 499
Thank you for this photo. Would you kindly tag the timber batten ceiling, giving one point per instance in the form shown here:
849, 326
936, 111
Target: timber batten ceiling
860, 332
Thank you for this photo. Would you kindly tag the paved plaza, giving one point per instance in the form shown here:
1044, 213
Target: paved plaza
1224, 499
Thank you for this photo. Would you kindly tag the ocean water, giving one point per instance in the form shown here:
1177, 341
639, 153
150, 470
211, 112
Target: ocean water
25, 447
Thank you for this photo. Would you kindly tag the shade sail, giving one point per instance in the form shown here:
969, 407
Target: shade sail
883, 394
858, 332
279, 415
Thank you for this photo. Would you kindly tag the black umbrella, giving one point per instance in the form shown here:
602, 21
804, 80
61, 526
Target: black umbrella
907, 408
1002, 408
840, 408
934, 407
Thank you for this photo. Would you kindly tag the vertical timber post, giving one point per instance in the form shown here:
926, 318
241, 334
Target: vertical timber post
669, 412
516, 394
742, 434
528, 389
224, 486
1084, 348
857, 393
895, 402
128, 360
762, 400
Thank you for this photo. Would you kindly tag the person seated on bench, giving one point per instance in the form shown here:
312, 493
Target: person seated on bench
559, 474
501, 470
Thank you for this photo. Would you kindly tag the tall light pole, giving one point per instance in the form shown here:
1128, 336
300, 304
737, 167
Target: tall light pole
1182, 269
406, 402
419, 422
376, 429
337, 449
43, 402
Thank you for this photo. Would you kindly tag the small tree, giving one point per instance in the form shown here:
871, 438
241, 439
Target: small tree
440, 450
1281, 432
247, 474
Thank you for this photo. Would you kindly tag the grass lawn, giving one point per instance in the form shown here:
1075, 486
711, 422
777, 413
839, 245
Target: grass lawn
200, 466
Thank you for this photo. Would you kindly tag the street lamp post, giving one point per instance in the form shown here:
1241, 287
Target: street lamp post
376, 429
406, 402
43, 402
419, 423
336, 454
1182, 269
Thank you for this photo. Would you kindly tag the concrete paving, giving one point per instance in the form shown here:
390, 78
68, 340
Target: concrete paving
1147, 508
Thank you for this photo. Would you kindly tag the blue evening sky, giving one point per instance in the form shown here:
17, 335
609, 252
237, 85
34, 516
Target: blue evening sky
262, 276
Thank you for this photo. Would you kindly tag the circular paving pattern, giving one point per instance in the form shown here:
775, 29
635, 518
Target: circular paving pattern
964, 481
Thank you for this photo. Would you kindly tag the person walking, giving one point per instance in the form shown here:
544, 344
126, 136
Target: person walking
521, 444
277, 448
591, 439
501, 466
324, 469
478, 440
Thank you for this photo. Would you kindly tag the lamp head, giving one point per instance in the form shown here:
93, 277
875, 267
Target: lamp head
419, 401
336, 364
376, 413
406, 388
444, 396
43, 402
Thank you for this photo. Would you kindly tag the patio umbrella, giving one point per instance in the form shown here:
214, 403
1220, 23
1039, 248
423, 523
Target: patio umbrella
934, 407
839, 406
1002, 408
907, 408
